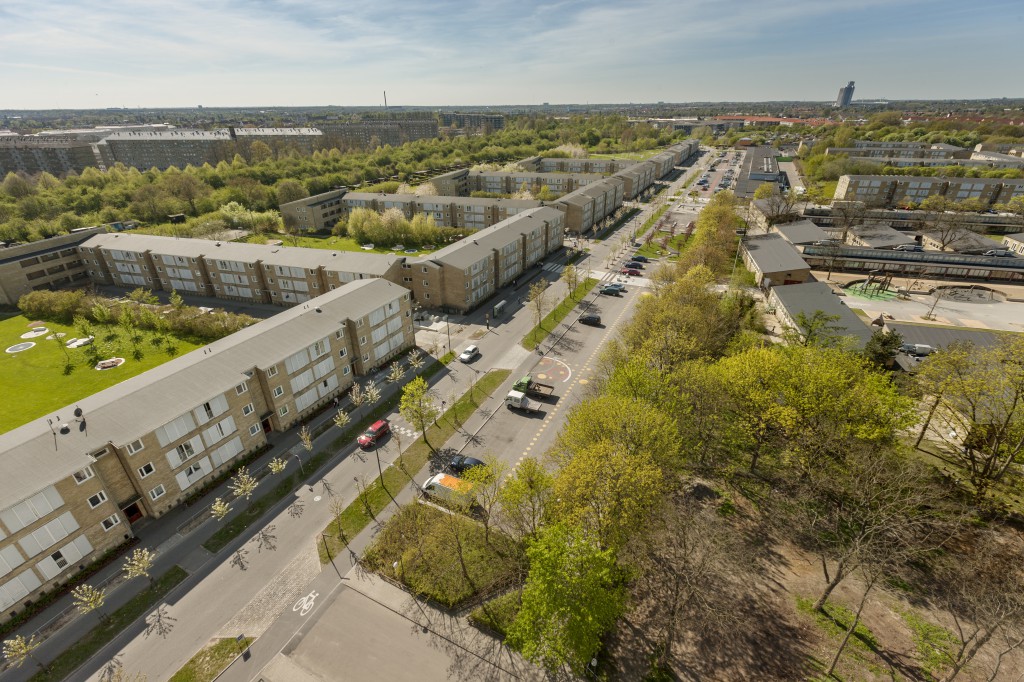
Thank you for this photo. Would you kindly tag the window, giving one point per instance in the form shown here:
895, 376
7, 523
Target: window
83, 475
342, 353
272, 371
59, 559
248, 409
208, 410
366, 358
345, 371
97, 499
424, 269
145, 469
134, 446
254, 429
362, 340
283, 411
157, 492
192, 470
426, 283
278, 392
110, 522
185, 450
241, 388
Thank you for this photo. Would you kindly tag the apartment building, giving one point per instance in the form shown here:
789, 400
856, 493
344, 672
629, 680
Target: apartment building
891, 190
318, 213
46, 264
588, 206
57, 155
163, 149
883, 151
76, 480
372, 134
487, 122
447, 211
280, 140
462, 276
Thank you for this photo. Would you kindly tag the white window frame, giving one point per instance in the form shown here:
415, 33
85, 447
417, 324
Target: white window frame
254, 429
157, 496
241, 388
112, 521
248, 409
283, 410
131, 447
141, 470
278, 391
100, 497
86, 472
272, 371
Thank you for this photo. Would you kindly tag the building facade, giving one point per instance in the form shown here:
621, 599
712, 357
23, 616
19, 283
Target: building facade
46, 264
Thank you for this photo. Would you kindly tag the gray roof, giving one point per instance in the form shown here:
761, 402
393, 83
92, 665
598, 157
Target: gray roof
1017, 236
813, 296
940, 337
801, 232
881, 236
772, 253
138, 405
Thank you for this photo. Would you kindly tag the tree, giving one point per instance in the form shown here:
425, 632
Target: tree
487, 481
306, 438
572, 596
188, 188
524, 499
88, 599
944, 224
982, 588
416, 361
977, 407
608, 491
417, 406
571, 277
396, 373
277, 465
538, 300
139, 563
289, 190
243, 484
776, 205
817, 329
882, 347
220, 509
17, 650
177, 302
341, 419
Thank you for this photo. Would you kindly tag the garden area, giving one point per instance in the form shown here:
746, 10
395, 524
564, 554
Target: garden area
49, 375
334, 243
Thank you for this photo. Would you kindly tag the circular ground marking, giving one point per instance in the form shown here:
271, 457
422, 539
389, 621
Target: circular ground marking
18, 347
33, 333
549, 370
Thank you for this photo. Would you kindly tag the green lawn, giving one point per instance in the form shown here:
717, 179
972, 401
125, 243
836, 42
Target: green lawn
326, 242
34, 381
654, 250
211, 661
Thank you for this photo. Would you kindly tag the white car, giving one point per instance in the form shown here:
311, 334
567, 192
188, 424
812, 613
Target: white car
470, 354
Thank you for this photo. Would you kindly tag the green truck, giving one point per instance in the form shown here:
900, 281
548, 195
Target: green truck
533, 389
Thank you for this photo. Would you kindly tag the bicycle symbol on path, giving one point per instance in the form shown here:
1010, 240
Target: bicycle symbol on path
304, 605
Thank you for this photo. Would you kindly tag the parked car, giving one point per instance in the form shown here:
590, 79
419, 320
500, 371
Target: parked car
471, 353
640, 259
374, 434
999, 253
449, 489
608, 290
591, 319
456, 466
621, 288
909, 247
634, 265
630, 271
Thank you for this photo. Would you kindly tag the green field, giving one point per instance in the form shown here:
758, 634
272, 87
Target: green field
326, 242
34, 381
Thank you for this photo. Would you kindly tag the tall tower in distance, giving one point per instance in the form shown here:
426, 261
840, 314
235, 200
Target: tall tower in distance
845, 96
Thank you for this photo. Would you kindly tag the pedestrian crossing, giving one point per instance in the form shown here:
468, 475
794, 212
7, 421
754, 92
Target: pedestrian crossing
553, 267
406, 432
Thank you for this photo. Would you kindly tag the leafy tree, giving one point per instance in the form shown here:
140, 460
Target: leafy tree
572, 596
418, 408
882, 347
571, 277
277, 465
396, 373
977, 406
524, 499
87, 599
538, 300
139, 563
817, 329
17, 650
243, 484
341, 419
289, 190
487, 481
220, 509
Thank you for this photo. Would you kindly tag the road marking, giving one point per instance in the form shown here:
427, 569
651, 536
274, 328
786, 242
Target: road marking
304, 605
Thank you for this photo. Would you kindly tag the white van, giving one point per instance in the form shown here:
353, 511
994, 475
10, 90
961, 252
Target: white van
448, 488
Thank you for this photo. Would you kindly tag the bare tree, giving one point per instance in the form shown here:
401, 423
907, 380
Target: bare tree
17, 650
243, 484
538, 299
220, 509
139, 563
946, 225
88, 599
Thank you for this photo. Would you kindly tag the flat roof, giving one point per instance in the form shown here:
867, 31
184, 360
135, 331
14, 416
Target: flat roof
881, 236
482, 243
31, 460
801, 232
772, 253
810, 297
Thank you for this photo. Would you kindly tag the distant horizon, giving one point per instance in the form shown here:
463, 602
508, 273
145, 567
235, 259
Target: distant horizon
101, 54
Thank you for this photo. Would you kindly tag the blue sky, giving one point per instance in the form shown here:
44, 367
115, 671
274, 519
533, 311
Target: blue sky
165, 53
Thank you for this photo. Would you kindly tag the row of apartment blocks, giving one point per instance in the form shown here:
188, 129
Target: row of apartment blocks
47, 264
75, 482
886, 191
907, 154
587, 199
456, 278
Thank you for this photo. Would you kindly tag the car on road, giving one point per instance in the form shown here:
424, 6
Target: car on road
633, 272
591, 319
470, 354
456, 465
634, 265
640, 259
608, 290
373, 435
621, 288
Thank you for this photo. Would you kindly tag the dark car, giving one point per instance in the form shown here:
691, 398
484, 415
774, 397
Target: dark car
609, 290
635, 265
457, 465
630, 271
591, 319
640, 259
374, 434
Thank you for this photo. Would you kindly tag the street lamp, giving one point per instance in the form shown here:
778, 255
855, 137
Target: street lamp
299, 460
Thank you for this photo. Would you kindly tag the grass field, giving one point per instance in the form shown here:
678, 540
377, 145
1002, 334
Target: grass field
34, 383
327, 242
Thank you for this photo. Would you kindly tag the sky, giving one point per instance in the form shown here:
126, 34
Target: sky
182, 53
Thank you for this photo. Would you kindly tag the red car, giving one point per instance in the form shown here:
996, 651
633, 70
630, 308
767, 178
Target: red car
372, 436
630, 271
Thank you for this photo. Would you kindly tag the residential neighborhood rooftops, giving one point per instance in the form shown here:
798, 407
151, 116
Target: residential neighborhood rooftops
772, 253
801, 232
810, 297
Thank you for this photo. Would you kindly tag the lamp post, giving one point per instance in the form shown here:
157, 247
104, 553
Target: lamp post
299, 460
